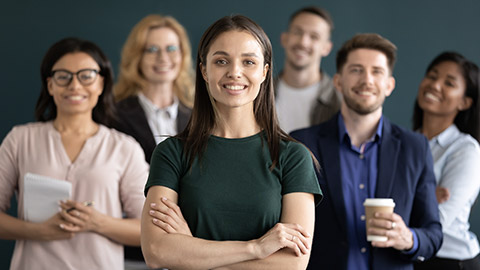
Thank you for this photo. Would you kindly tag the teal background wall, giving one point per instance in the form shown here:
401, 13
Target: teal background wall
420, 29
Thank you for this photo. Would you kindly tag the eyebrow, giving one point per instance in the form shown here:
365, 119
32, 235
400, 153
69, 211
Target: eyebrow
361, 66
355, 65
243, 54
299, 27
452, 77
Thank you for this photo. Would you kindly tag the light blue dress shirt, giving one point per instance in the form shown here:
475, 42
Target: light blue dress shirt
359, 180
456, 157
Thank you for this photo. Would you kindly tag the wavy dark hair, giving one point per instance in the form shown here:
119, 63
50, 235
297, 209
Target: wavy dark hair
46, 110
467, 121
204, 116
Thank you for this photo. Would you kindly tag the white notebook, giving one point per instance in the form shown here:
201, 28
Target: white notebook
41, 196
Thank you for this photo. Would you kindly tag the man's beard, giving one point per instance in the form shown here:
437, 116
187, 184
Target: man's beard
359, 107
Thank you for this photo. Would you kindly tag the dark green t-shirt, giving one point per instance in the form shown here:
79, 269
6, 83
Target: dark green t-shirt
232, 194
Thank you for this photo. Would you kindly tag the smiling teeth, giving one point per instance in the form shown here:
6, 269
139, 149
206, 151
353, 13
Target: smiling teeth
432, 97
234, 87
75, 97
365, 93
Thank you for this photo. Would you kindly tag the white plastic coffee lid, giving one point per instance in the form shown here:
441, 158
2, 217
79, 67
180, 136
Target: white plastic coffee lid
379, 202
377, 238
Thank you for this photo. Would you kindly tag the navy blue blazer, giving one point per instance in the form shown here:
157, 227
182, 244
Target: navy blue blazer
405, 173
133, 121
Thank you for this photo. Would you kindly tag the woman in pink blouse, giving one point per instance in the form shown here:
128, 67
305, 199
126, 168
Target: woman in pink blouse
70, 143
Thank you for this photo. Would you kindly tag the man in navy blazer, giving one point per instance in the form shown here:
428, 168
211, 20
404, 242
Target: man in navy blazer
362, 155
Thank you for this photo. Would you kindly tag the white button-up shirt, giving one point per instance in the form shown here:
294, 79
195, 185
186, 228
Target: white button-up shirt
456, 158
162, 121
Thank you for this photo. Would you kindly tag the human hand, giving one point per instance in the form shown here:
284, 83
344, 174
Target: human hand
391, 225
80, 217
443, 194
168, 216
283, 235
51, 229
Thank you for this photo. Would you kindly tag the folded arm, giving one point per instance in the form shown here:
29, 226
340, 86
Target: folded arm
460, 178
177, 250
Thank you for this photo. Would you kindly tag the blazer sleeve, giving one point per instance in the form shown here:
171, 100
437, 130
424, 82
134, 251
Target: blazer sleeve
425, 219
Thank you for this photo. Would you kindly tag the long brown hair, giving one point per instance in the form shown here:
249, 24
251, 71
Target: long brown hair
131, 80
204, 117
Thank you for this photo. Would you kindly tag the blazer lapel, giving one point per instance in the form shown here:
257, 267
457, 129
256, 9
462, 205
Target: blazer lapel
329, 149
387, 161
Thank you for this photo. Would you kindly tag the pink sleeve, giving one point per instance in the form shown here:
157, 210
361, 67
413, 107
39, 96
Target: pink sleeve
8, 168
133, 181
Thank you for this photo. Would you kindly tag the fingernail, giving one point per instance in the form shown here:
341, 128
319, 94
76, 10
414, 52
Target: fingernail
151, 212
155, 220
153, 205
164, 199
62, 226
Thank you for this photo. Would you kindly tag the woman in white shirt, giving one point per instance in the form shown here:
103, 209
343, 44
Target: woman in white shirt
447, 113
70, 143
155, 83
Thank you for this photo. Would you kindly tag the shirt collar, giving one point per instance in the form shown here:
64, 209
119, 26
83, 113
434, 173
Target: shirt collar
342, 130
447, 136
151, 108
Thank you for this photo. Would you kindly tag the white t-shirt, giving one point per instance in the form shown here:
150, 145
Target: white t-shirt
295, 105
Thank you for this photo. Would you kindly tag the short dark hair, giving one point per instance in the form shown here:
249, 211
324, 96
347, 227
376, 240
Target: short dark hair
467, 121
320, 12
46, 110
367, 41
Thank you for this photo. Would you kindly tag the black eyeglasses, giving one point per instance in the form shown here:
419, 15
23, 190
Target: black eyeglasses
64, 77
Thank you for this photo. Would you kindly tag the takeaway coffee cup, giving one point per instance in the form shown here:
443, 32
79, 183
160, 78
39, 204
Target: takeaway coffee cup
373, 205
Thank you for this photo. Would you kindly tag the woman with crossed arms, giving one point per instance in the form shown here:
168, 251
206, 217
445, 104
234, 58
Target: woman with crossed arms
448, 114
246, 190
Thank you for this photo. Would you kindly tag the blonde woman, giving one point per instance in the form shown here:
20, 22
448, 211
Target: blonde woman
155, 85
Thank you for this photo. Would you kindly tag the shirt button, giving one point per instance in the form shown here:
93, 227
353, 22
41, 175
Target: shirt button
361, 156
363, 250
362, 217
361, 186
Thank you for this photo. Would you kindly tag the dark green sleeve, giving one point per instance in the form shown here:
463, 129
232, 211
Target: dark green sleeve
298, 173
166, 166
